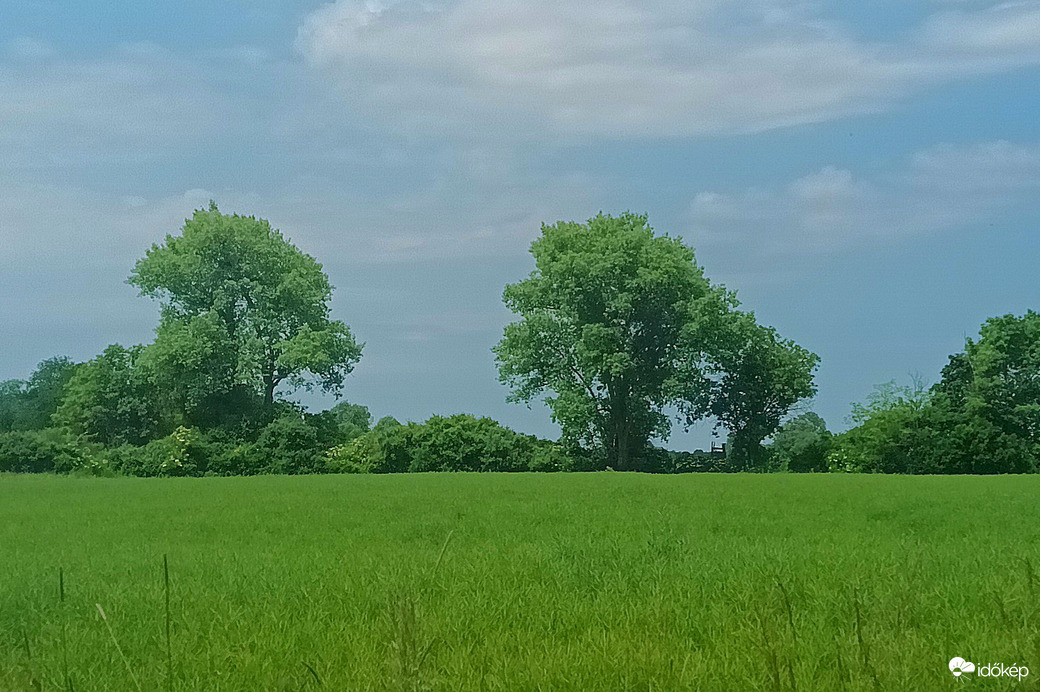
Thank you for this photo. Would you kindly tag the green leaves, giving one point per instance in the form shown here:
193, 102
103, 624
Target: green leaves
241, 306
618, 324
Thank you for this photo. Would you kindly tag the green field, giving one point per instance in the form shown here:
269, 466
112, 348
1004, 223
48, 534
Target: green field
518, 582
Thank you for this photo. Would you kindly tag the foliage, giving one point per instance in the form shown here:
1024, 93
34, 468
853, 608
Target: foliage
38, 451
296, 444
465, 443
997, 377
30, 405
109, 400
446, 443
911, 434
353, 420
618, 324
758, 378
982, 417
241, 305
802, 444
889, 396
659, 460
607, 325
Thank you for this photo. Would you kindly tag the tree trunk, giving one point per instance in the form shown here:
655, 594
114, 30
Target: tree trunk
269, 387
624, 461
620, 443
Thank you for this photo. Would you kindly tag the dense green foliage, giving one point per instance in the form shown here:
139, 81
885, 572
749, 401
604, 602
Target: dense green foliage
241, 307
801, 445
618, 324
618, 330
982, 417
518, 582
453, 443
110, 400
38, 452
29, 405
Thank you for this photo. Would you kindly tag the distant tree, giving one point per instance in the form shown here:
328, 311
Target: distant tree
241, 305
615, 328
110, 400
29, 405
353, 420
997, 377
982, 417
801, 444
891, 396
11, 398
608, 328
758, 377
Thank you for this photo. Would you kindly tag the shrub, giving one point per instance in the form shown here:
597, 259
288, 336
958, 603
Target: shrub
38, 452
446, 443
184, 452
657, 460
465, 443
295, 444
935, 438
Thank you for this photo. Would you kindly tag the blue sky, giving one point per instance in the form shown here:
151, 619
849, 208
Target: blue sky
865, 175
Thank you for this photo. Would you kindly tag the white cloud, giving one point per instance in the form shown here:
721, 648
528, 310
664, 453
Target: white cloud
1009, 30
628, 67
942, 188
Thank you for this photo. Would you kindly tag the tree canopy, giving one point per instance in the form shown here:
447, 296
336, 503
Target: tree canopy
618, 325
241, 307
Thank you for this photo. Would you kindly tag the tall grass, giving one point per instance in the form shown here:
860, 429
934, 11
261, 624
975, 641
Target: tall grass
517, 582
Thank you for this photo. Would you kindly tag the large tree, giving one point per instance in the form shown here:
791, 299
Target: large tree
997, 377
615, 329
242, 307
758, 377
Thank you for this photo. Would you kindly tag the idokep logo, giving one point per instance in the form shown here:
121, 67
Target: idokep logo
958, 666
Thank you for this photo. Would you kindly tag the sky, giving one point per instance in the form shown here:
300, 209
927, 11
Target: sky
865, 175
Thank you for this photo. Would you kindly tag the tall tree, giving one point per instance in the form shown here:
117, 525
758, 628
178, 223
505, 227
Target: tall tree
997, 377
242, 306
607, 328
758, 377
618, 327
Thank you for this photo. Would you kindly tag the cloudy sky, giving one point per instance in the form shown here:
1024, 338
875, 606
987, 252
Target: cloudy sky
866, 175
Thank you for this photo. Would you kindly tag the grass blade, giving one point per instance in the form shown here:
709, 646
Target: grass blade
169, 649
66, 678
112, 634
313, 673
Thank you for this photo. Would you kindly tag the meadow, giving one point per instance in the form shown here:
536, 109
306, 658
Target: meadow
604, 581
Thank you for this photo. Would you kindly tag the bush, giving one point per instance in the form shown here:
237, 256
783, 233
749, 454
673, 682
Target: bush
295, 444
184, 452
465, 443
657, 460
446, 443
38, 452
934, 438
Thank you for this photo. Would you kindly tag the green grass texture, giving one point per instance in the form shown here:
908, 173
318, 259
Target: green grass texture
603, 581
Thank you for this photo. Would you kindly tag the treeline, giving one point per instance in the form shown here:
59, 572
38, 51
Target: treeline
618, 331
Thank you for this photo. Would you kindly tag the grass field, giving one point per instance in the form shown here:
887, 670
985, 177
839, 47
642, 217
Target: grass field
518, 582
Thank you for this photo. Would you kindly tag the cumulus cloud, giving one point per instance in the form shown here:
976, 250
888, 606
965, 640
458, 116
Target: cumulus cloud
945, 187
622, 67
